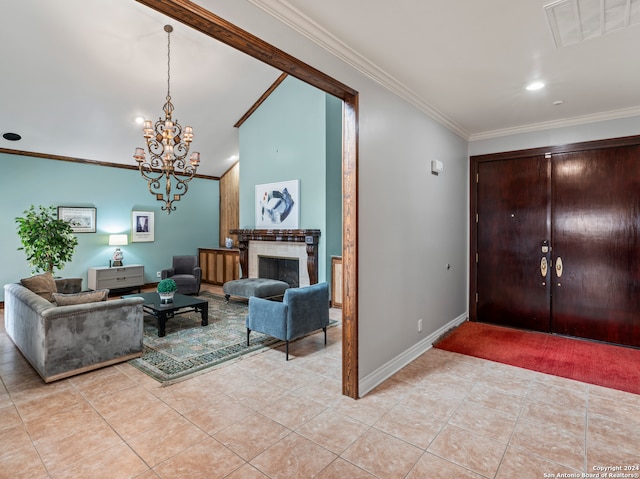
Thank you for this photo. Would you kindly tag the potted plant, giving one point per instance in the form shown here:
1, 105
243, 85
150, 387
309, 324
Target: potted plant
166, 289
48, 241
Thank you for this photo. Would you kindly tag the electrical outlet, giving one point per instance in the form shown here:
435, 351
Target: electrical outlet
158, 274
419, 325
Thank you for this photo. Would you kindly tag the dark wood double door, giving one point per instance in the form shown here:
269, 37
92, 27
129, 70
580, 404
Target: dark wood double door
555, 240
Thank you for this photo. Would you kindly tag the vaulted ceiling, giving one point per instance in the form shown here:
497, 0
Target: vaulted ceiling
76, 73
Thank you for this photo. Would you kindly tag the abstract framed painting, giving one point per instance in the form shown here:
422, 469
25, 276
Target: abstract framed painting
278, 205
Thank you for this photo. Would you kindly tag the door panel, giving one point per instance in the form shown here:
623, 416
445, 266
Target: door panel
596, 232
513, 198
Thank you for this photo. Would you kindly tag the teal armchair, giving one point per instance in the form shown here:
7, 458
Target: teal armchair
302, 311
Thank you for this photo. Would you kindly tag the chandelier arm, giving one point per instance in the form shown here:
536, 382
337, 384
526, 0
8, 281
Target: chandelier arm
190, 172
155, 148
181, 163
181, 185
168, 202
146, 169
180, 151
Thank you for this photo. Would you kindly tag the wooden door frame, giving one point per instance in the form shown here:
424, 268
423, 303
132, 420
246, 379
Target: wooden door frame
215, 27
512, 155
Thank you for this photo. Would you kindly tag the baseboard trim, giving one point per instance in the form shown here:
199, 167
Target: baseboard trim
384, 372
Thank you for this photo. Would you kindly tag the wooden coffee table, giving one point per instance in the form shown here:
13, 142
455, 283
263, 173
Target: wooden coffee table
163, 311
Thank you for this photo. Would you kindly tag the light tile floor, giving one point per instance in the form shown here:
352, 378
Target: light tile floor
443, 416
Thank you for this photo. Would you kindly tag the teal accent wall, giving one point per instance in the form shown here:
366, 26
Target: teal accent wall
334, 179
287, 138
115, 193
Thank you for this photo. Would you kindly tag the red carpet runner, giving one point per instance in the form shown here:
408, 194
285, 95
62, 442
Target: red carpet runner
605, 365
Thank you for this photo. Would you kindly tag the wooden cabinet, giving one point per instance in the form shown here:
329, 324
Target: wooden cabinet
229, 202
219, 265
120, 277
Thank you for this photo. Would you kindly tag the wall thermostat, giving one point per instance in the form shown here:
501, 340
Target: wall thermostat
436, 167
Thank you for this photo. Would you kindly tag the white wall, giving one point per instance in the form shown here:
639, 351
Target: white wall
411, 223
558, 136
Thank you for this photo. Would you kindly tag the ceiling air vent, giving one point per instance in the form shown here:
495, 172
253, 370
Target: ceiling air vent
573, 21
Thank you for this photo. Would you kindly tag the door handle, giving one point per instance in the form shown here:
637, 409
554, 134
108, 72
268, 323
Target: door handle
559, 267
544, 266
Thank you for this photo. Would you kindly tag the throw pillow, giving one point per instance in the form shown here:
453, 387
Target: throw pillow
81, 298
42, 284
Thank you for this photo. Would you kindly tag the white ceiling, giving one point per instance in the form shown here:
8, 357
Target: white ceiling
76, 73
468, 62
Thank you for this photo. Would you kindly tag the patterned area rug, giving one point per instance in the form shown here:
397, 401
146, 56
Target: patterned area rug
188, 348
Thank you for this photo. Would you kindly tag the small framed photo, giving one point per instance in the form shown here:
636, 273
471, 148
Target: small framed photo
142, 226
82, 220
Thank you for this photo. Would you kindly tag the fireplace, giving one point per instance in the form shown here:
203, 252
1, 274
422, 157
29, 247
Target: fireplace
282, 269
285, 244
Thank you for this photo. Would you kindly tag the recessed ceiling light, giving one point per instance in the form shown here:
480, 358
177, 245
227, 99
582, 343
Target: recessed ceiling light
11, 136
536, 85
558, 102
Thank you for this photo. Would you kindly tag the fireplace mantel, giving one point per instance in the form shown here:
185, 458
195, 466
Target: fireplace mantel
309, 237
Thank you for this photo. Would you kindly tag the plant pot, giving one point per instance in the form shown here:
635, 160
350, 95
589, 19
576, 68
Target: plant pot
166, 297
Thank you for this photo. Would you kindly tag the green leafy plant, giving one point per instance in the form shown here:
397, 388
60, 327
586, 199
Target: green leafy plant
48, 242
167, 286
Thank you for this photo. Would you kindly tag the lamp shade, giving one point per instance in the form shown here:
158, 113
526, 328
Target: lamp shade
117, 240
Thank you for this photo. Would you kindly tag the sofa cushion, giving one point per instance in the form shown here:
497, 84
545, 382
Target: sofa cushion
68, 285
81, 298
42, 284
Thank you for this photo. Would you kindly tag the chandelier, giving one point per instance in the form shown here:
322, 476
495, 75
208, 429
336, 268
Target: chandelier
168, 146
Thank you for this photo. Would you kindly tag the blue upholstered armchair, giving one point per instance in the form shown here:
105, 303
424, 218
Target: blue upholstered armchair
186, 272
302, 311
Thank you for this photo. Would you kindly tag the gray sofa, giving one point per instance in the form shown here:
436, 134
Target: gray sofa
60, 341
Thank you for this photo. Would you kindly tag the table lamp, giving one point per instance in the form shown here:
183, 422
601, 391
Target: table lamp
117, 240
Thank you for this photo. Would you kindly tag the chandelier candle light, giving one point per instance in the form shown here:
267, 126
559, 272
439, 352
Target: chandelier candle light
168, 145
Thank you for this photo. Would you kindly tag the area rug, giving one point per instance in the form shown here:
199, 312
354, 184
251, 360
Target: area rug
615, 367
188, 349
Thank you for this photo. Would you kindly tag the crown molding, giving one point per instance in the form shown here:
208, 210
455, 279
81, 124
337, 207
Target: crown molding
283, 11
71, 159
296, 20
563, 123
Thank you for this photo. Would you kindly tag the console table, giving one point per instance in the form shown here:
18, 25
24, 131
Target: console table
120, 277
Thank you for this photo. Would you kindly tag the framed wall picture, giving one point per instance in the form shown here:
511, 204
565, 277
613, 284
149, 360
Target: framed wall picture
82, 220
142, 226
278, 205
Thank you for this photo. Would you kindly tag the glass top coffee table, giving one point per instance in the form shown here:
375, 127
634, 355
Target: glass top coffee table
163, 311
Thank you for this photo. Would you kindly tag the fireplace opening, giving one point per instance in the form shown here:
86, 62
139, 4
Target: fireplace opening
282, 269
